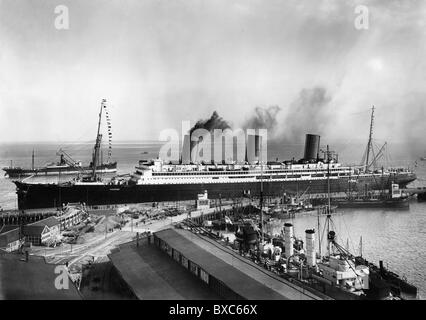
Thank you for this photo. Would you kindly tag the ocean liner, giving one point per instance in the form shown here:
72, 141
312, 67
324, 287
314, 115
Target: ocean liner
156, 181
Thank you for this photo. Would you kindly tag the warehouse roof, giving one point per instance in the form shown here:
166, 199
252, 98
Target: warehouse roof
32, 230
50, 222
245, 286
9, 235
151, 274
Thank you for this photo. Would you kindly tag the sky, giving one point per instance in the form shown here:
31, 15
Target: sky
158, 62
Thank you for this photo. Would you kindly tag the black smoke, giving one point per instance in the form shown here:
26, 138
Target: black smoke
210, 124
309, 113
214, 122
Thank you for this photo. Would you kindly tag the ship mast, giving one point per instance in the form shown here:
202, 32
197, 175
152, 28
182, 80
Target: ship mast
261, 195
329, 200
328, 180
97, 143
319, 233
370, 140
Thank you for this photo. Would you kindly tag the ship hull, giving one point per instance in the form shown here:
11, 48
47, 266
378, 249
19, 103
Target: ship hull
54, 171
31, 196
402, 203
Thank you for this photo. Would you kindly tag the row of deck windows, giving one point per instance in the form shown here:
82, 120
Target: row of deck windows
187, 173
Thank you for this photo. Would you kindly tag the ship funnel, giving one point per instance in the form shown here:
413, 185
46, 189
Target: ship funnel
253, 149
186, 150
289, 240
310, 247
312, 147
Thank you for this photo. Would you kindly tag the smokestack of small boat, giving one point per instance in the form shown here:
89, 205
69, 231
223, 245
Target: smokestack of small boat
288, 238
310, 247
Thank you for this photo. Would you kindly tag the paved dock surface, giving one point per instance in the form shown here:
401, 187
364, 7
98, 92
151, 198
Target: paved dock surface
35, 280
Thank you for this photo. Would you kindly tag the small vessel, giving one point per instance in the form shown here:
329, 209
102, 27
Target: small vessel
67, 165
395, 198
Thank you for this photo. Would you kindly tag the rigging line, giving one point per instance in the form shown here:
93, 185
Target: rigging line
349, 236
349, 255
85, 125
365, 111
323, 231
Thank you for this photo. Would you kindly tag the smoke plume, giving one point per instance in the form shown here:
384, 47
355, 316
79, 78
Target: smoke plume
263, 118
307, 114
214, 122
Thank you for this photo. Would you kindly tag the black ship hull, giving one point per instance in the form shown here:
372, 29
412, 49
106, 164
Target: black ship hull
31, 196
398, 203
58, 170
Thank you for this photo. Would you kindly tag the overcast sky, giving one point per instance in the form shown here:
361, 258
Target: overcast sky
158, 62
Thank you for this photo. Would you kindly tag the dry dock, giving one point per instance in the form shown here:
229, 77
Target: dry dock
178, 264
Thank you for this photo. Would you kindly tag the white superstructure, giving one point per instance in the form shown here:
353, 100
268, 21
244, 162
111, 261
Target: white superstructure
156, 172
